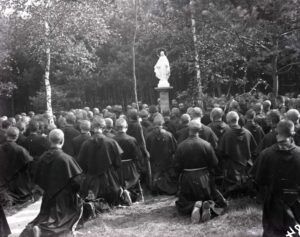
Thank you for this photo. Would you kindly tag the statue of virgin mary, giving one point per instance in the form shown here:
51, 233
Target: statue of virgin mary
162, 70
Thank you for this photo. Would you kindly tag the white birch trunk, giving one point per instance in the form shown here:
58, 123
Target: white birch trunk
133, 57
47, 74
196, 55
275, 70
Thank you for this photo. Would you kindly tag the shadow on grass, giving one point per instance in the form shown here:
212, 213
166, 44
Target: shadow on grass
159, 217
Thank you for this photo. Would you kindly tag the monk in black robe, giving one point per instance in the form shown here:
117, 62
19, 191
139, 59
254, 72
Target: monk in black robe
85, 127
236, 148
14, 164
218, 126
196, 159
205, 133
109, 129
278, 175
294, 115
4, 126
100, 159
70, 133
146, 124
129, 175
59, 176
136, 130
162, 145
35, 143
273, 118
183, 125
256, 130
261, 116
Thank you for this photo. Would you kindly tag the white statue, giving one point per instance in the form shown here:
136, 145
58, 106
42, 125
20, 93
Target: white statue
162, 70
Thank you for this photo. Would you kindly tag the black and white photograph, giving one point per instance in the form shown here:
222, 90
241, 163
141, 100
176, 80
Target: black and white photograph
149, 118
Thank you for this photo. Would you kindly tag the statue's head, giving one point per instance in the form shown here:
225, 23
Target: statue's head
162, 53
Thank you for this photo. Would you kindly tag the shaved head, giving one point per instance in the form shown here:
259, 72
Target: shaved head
121, 123
194, 127
232, 117
56, 137
285, 128
216, 114
293, 115
12, 133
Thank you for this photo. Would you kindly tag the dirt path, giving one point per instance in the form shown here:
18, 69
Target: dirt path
18, 221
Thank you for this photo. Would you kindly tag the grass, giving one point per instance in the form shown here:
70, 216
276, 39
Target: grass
157, 216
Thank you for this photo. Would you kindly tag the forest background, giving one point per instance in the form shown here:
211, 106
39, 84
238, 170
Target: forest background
83, 49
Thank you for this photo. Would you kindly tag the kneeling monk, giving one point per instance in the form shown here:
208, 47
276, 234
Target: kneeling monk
196, 159
129, 175
58, 175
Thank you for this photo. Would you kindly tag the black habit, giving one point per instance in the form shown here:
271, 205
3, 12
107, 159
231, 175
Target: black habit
59, 176
278, 175
129, 175
100, 159
162, 145
236, 148
196, 159
14, 174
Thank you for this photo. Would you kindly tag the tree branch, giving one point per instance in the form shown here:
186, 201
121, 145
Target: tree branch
288, 65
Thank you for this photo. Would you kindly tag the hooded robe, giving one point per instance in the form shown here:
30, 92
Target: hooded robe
59, 176
162, 145
278, 175
129, 175
100, 160
14, 174
256, 131
236, 147
195, 161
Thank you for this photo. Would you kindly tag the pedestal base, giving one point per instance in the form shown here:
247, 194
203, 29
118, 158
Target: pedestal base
164, 98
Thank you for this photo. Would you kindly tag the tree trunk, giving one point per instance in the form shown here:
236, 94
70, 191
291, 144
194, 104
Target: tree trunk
47, 74
133, 56
275, 70
196, 55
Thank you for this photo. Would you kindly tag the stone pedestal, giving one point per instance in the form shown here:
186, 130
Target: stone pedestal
164, 98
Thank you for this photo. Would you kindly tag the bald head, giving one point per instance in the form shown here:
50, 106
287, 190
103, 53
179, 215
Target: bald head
121, 124
85, 126
258, 107
185, 119
250, 115
144, 114
158, 120
196, 113
216, 114
56, 137
266, 105
234, 105
285, 128
194, 127
109, 123
98, 123
293, 115
273, 117
12, 134
232, 118
133, 114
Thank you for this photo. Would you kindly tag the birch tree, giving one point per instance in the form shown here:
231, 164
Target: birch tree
196, 54
48, 28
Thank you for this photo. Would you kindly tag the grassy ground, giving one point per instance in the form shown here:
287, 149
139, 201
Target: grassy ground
157, 216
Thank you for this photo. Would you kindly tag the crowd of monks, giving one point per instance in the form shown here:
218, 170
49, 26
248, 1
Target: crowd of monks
90, 161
